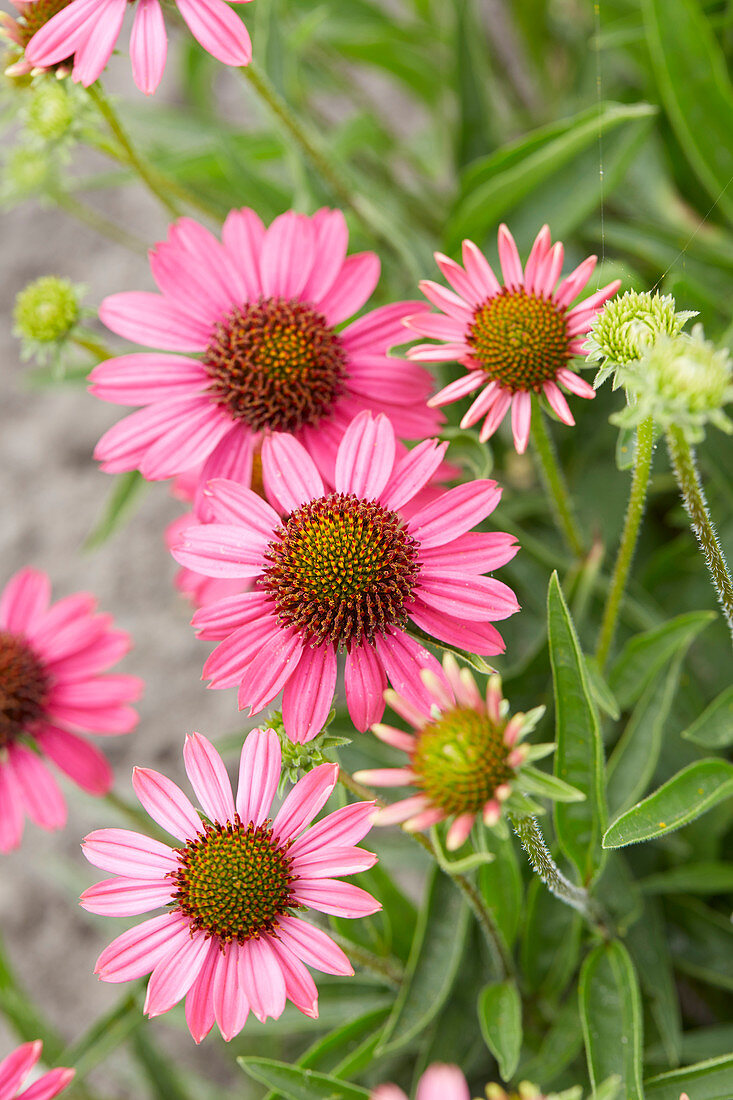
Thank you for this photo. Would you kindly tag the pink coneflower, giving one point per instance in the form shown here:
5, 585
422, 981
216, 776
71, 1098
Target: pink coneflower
51, 683
515, 338
200, 590
15, 1069
88, 30
263, 311
344, 571
231, 939
439, 1082
32, 15
464, 757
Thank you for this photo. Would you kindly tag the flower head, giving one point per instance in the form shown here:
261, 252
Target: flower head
15, 1068
32, 16
628, 326
515, 338
52, 682
346, 570
231, 938
682, 381
464, 757
87, 31
264, 310
46, 310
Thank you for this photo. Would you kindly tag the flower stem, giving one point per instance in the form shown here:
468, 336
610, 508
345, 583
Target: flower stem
544, 865
632, 523
155, 184
91, 218
555, 484
99, 351
693, 496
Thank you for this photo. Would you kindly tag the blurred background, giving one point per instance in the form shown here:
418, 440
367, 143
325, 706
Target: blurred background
612, 121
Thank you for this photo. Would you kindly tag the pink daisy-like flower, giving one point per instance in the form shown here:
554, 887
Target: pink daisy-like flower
439, 1082
463, 757
515, 338
88, 30
15, 1069
263, 310
344, 570
231, 939
32, 15
52, 660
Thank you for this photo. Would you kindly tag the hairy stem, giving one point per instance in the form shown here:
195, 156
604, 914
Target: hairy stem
544, 865
555, 484
693, 496
632, 523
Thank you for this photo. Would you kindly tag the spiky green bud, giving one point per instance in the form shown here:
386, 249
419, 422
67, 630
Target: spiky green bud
46, 310
50, 113
628, 326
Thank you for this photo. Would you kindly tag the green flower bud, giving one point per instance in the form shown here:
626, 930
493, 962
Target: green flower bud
630, 324
50, 113
46, 310
682, 380
27, 171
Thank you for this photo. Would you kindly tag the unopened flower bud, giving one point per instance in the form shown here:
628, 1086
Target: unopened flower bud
46, 310
50, 112
628, 326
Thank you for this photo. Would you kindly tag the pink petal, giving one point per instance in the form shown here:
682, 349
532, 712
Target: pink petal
366, 456
260, 767
511, 265
521, 416
262, 978
398, 739
221, 550
454, 512
127, 853
557, 401
166, 803
479, 269
330, 244
148, 46
200, 997
474, 637
338, 899
412, 472
126, 897
25, 597
287, 255
385, 777
365, 681
151, 320
460, 281
205, 280
593, 303
42, 798
481, 405
228, 664
219, 30
174, 975
145, 377
357, 280
571, 287
380, 329
343, 827
334, 863
308, 694
403, 658
313, 946
12, 816
50, 1085
474, 552
15, 1068
137, 951
400, 811
124, 446
309, 795
270, 670
442, 1083
289, 473
539, 250
243, 235
299, 986
438, 353
231, 1006
219, 619
447, 301
460, 388
574, 383
496, 415
95, 49
233, 503
387, 1092
82, 762
549, 270
459, 831
208, 776
187, 443
59, 37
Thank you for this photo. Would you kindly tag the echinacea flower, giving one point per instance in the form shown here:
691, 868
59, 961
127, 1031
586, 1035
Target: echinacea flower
52, 682
344, 570
465, 756
32, 15
15, 1069
88, 30
515, 338
263, 310
231, 938
439, 1082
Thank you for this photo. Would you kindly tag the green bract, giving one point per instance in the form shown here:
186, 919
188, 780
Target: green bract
628, 326
46, 310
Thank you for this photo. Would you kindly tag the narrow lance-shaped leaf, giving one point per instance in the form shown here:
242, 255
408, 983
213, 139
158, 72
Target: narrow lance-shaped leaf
708, 1080
300, 1084
610, 1010
714, 728
579, 753
687, 795
500, 1019
645, 654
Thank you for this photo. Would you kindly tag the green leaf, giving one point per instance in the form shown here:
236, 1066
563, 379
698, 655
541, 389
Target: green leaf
692, 878
701, 940
560, 1046
161, 1073
579, 753
687, 795
646, 940
326, 1053
644, 655
300, 1084
634, 759
709, 1080
548, 786
500, 1019
714, 728
104, 1036
437, 947
696, 90
610, 1010
124, 495
602, 693
22, 1016
550, 942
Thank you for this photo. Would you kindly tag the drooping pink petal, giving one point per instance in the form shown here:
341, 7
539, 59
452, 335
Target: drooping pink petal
313, 946
460, 388
25, 597
148, 46
480, 405
15, 1068
299, 985
174, 975
231, 1006
574, 383
82, 762
12, 816
454, 512
49, 1085
557, 401
95, 48
496, 414
366, 456
262, 978
166, 803
459, 831
228, 664
270, 670
200, 997
259, 774
338, 899
521, 416
441, 1082
308, 694
42, 798
208, 776
219, 30
345, 826
309, 795
474, 637
138, 950
59, 38
289, 472
364, 681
